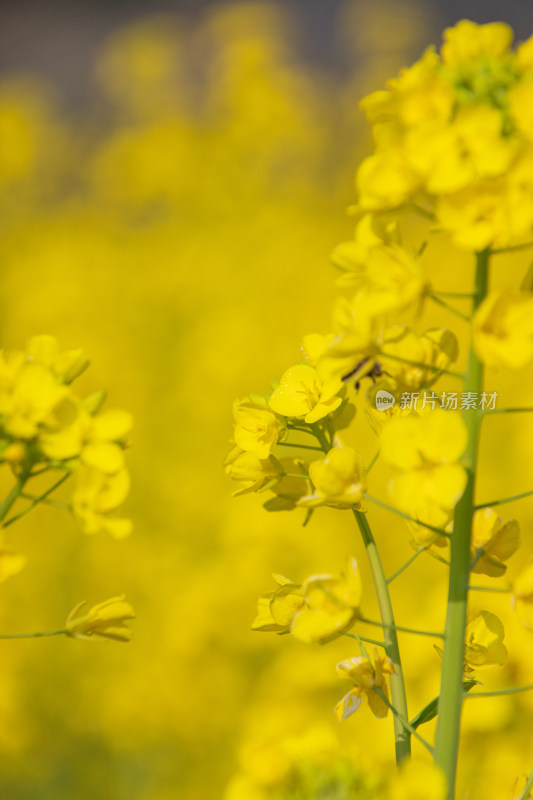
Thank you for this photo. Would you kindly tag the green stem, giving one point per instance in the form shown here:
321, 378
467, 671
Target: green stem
37, 500
404, 566
451, 693
374, 459
489, 589
513, 249
500, 692
15, 492
402, 514
405, 722
527, 788
504, 500
400, 628
397, 685
421, 364
32, 635
364, 639
449, 307
300, 446
399, 699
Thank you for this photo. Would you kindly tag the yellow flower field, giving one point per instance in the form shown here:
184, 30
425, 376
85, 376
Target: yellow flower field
186, 233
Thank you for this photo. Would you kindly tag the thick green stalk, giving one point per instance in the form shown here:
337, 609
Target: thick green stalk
397, 686
451, 693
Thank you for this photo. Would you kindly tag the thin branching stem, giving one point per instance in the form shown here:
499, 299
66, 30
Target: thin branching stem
503, 500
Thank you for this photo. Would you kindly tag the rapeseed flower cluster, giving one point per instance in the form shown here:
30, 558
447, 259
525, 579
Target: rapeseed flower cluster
45, 426
453, 135
452, 145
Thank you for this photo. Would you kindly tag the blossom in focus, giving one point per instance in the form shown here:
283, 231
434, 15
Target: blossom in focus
303, 394
368, 679
425, 450
339, 479
255, 474
502, 329
484, 645
257, 428
497, 541
101, 622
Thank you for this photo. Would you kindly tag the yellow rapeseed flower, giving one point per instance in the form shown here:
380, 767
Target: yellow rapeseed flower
502, 329
484, 645
321, 608
96, 496
387, 277
339, 479
331, 605
102, 622
367, 678
497, 541
303, 394
425, 450
252, 472
257, 428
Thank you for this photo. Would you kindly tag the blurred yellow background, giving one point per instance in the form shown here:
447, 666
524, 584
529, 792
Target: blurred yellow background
178, 227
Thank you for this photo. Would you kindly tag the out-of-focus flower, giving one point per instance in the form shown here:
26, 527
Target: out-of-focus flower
302, 393
522, 596
331, 605
497, 541
368, 678
101, 622
417, 780
425, 450
31, 400
290, 488
357, 336
433, 351
467, 43
10, 563
96, 496
437, 518
65, 365
323, 607
98, 440
503, 329
387, 277
339, 479
276, 610
254, 473
257, 428
484, 645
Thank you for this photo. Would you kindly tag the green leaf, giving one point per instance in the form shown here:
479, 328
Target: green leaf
430, 711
